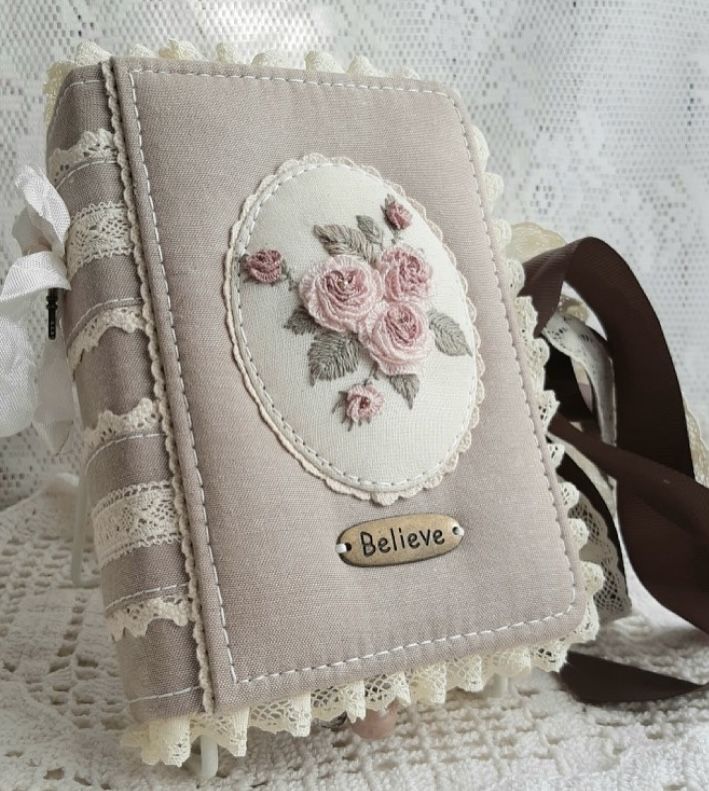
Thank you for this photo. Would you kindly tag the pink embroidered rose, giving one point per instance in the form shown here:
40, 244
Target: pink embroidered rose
362, 403
264, 266
407, 275
398, 216
340, 291
397, 336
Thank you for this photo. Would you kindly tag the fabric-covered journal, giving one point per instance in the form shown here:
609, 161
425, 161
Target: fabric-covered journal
317, 465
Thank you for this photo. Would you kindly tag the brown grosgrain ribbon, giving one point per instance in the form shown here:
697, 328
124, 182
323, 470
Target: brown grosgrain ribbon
663, 513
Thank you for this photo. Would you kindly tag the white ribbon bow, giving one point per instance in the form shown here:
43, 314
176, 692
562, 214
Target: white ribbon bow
31, 394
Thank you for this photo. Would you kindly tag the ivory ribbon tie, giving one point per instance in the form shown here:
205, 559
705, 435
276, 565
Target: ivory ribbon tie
30, 392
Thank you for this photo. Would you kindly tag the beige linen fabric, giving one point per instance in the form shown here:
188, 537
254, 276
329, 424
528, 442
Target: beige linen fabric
282, 613
155, 569
162, 662
105, 281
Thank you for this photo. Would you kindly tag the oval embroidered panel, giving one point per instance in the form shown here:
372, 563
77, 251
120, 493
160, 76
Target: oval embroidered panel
352, 328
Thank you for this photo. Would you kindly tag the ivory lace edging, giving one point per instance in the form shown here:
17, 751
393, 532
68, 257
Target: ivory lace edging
126, 318
91, 148
142, 418
169, 740
135, 617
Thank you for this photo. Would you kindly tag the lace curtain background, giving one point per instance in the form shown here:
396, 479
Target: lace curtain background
597, 115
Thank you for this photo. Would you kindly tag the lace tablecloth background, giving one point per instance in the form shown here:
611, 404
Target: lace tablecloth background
597, 114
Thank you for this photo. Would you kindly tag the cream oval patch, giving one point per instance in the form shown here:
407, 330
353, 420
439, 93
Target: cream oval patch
352, 328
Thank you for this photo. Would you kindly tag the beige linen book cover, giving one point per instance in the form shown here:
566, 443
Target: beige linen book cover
290, 315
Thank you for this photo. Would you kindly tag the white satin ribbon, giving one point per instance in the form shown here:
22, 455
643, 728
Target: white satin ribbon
30, 393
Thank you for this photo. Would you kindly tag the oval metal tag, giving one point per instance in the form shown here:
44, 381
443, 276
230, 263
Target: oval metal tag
399, 539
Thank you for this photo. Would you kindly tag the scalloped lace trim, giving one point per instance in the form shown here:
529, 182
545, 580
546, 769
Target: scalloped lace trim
91, 148
134, 618
135, 516
128, 318
98, 231
612, 600
143, 418
89, 54
285, 433
170, 740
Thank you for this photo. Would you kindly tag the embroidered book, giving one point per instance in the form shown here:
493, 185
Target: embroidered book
290, 314
317, 465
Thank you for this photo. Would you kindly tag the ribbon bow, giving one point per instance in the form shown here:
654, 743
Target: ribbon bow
30, 393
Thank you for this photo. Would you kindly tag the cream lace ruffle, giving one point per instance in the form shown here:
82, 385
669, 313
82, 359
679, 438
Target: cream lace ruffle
612, 599
142, 515
170, 740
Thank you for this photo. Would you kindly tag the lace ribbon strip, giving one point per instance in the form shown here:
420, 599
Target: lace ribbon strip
98, 231
135, 516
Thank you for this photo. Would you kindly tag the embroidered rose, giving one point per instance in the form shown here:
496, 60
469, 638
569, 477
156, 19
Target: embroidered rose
340, 291
265, 266
398, 216
371, 299
407, 275
362, 402
397, 337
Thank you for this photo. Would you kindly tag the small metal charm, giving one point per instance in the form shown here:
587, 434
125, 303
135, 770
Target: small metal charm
52, 302
399, 539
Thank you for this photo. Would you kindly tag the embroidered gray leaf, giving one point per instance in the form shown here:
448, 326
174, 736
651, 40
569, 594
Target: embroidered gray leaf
342, 240
332, 355
406, 385
448, 335
370, 228
301, 322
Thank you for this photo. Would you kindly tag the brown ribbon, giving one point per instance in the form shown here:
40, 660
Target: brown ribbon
663, 513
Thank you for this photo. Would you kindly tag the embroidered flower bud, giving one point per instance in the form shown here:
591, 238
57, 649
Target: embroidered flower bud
407, 275
362, 403
398, 216
397, 337
264, 266
340, 291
